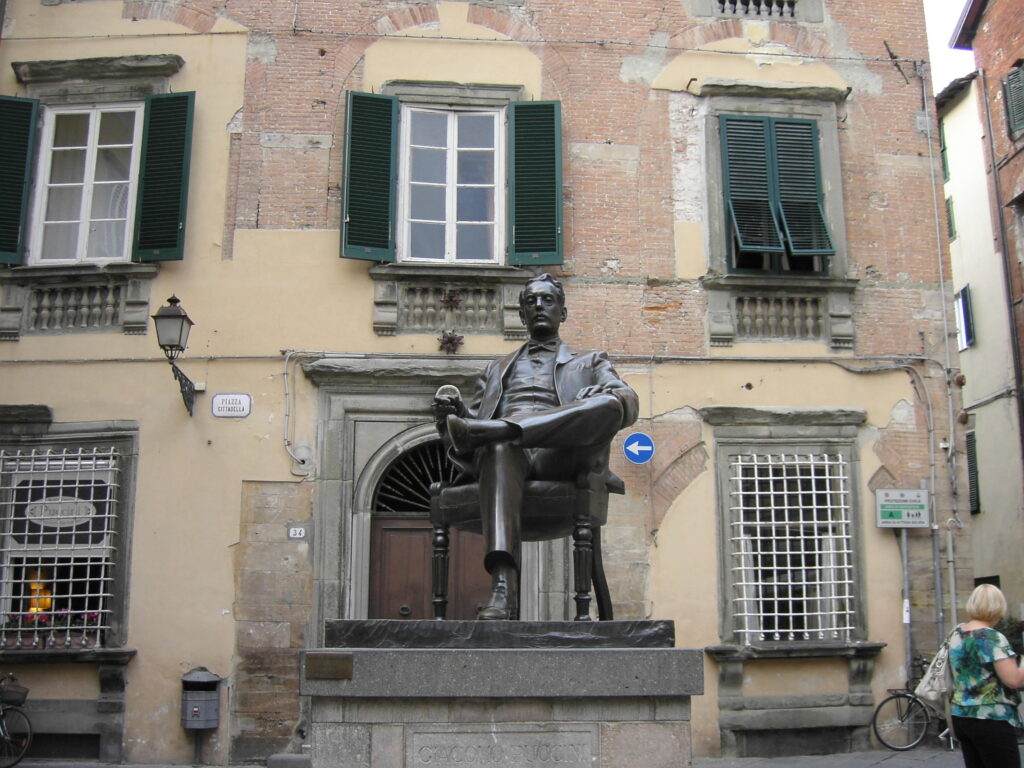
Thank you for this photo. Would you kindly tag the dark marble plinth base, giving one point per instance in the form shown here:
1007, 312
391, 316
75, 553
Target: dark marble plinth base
386, 633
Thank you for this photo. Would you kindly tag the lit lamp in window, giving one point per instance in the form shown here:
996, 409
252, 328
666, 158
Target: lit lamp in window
172, 328
40, 596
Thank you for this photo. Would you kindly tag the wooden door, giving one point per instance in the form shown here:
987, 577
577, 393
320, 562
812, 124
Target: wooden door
401, 544
400, 585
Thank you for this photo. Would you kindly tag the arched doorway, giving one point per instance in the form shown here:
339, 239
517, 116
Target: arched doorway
400, 543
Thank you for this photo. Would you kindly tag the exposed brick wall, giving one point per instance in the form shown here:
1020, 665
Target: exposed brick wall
273, 605
193, 16
618, 216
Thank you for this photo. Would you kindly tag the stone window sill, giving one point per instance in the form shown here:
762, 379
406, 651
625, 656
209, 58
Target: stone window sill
794, 650
78, 298
112, 656
780, 308
414, 298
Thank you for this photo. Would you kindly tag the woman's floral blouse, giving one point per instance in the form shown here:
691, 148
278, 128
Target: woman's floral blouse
977, 691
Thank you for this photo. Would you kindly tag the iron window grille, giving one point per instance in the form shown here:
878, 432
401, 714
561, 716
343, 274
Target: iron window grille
791, 547
59, 513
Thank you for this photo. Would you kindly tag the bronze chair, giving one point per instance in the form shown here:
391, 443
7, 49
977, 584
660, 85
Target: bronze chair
551, 510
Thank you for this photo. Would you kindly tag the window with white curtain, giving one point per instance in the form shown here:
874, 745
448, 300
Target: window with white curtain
451, 190
85, 188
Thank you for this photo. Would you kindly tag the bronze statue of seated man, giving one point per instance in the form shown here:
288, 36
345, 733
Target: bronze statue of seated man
543, 412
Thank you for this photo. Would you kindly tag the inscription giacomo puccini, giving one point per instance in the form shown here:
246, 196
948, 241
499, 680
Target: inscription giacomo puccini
506, 748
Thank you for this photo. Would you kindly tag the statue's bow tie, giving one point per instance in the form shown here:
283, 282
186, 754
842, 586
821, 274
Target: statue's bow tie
535, 346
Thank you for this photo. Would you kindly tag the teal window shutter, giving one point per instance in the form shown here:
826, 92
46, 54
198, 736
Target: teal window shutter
749, 192
163, 178
974, 496
18, 127
773, 193
535, 182
1013, 89
800, 196
371, 151
943, 150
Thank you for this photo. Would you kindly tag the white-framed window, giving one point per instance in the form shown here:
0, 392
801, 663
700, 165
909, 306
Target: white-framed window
449, 175
451, 185
790, 551
86, 189
964, 318
61, 523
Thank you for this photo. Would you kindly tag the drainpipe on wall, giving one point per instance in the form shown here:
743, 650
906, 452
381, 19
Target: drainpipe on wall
950, 448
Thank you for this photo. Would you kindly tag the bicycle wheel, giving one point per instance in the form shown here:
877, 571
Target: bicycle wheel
900, 721
15, 736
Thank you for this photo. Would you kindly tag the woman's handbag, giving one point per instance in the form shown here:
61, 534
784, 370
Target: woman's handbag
937, 684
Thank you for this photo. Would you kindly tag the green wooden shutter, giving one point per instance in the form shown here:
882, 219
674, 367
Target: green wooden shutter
1013, 89
18, 128
943, 150
163, 178
799, 187
974, 496
749, 188
371, 151
535, 182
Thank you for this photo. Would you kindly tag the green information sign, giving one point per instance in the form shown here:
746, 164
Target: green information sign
902, 508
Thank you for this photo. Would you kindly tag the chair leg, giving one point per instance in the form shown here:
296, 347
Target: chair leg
439, 571
582, 561
601, 593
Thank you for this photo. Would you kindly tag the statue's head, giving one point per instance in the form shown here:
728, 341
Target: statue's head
544, 277
542, 306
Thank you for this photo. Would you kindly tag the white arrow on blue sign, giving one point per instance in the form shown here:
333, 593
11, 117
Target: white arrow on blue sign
639, 448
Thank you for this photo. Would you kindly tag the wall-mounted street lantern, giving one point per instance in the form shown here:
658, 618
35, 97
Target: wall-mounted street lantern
172, 328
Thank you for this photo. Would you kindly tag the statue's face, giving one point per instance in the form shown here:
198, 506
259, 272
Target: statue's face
541, 310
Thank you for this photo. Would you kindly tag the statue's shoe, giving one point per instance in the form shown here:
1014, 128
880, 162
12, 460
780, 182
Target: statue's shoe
502, 605
469, 434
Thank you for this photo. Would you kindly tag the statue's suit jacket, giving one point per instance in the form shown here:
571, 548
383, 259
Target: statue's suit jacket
573, 372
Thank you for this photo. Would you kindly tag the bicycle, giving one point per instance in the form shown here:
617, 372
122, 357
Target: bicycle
15, 727
901, 720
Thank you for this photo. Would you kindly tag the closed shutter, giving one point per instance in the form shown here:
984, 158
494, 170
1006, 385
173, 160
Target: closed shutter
163, 178
746, 157
18, 128
972, 473
800, 198
773, 192
535, 183
371, 146
1013, 87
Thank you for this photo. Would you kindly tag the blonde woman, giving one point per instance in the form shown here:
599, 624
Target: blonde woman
984, 666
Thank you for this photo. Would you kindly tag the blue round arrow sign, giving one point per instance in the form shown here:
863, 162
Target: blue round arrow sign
639, 448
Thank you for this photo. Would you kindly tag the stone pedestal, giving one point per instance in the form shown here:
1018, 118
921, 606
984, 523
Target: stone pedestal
601, 695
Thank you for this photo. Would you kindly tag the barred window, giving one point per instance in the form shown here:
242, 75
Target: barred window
59, 510
791, 547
